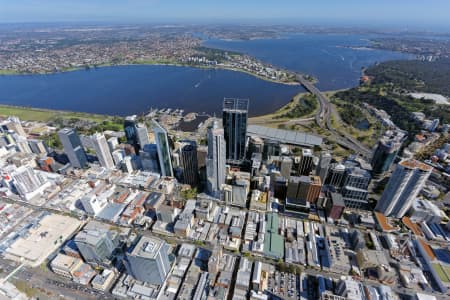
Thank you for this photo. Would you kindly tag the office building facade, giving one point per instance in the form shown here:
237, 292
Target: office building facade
149, 158
304, 189
216, 160
73, 147
324, 165
148, 261
386, 152
164, 153
235, 114
97, 243
102, 150
142, 135
403, 187
306, 162
129, 126
355, 187
189, 164
27, 181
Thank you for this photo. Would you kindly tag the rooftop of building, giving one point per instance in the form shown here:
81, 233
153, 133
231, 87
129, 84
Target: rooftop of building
384, 223
415, 164
235, 104
64, 261
428, 250
412, 226
92, 232
285, 136
148, 247
43, 239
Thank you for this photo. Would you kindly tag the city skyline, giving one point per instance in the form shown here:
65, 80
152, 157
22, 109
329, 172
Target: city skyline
322, 173
325, 12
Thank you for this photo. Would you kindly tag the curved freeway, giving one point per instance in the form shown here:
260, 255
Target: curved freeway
323, 120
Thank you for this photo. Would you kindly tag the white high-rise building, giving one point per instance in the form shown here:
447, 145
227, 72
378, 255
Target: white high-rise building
118, 156
216, 159
142, 135
113, 142
28, 182
403, 187
324, 165
22, 144
102, 150
127, 164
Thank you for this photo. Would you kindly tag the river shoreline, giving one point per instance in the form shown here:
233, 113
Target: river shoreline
172, 64
45, 114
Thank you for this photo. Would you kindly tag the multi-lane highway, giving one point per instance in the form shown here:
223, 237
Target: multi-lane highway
323, 120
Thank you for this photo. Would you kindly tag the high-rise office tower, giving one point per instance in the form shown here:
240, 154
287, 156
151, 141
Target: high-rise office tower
235, 113
188, 158
149, 158
271, 148
164, 155
118, 155
304, 188
403, 187
102, 150
306, 162
148, 261
324, 165
136, 134
280, 188
97, 243
73, 147
129, 126
336, 175
113, 142
286, 166
256, 145
386, 151
37, 146
22, 144
355, 187
142, 135
127, 164
215, 161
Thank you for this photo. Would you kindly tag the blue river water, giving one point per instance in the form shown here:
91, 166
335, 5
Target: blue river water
124, 90
334, 59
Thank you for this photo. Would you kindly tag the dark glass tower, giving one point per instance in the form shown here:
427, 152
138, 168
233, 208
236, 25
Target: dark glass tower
189, 163
235, 114
129, 127
386, 152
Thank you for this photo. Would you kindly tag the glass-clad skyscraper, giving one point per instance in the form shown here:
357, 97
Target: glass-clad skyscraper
73, 147
129, 127
235, 114
162, 144
215, 162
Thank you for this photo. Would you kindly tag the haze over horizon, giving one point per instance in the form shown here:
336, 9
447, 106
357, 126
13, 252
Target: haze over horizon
414, 14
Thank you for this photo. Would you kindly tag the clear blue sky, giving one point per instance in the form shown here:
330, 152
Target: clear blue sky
419, 13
